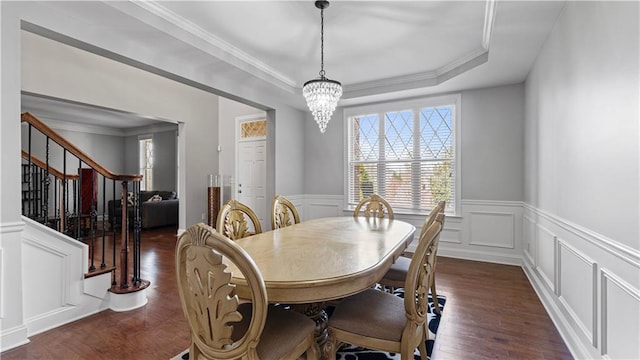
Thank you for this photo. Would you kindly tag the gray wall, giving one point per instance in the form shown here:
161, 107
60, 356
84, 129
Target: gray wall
493, 143
289, 156
164, 158
324, 156
164, 162
492, 135
582, 121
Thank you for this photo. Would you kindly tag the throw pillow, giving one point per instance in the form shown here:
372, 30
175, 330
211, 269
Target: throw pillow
130, 198
155, 198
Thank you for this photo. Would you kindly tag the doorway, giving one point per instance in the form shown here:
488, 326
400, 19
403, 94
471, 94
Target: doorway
251, 169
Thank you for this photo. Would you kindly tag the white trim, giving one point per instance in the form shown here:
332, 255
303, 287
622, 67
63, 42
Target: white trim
479, 255
489, 21
427, 101
11, 227
571, 339
231, 52
14, 337
588, 333
552, 284
599, 252
530, 254
2, 291
511, 245
606, 275
628, 254
239, 120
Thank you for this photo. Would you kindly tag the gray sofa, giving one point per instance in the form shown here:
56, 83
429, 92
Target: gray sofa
152, 213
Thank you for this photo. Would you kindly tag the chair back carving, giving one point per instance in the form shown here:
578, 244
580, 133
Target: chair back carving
374, 206
232, 220
419, 276
282, 212
208, 297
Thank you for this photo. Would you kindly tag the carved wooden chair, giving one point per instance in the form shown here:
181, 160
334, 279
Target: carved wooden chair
221, 327
282, 210
397, 273
232, 220
378, 320
374, 206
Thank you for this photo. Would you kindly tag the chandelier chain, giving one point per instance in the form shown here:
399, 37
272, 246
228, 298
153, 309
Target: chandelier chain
322, 43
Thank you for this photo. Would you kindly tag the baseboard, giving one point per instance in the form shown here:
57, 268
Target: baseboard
569, 336
506, 259
13, 338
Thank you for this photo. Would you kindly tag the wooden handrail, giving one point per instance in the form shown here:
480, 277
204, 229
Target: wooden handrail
53, 171
46, 130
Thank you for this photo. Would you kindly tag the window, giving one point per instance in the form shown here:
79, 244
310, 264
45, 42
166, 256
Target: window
406, 152
146, 162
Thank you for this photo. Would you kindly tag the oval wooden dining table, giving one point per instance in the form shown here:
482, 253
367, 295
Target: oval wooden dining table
323, 259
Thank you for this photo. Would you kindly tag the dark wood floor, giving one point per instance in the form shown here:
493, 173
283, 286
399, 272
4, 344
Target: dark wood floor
491, 312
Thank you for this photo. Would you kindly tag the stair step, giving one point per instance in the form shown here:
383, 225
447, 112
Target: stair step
98, 271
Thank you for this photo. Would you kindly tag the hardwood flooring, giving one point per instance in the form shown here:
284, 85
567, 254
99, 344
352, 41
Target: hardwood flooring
491, 312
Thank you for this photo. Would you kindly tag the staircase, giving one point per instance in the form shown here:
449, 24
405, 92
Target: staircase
64, 195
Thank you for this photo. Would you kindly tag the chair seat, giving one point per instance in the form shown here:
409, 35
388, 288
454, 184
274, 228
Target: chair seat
371, 313
283, 330
398, 270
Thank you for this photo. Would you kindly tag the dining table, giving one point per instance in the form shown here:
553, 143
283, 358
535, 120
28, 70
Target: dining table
317, 261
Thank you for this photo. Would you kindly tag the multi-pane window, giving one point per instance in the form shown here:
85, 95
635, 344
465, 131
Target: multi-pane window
405, 152
146, 162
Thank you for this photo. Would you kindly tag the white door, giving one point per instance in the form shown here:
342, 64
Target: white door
251, 186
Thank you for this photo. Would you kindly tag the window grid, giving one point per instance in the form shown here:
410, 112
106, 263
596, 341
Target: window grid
407, 156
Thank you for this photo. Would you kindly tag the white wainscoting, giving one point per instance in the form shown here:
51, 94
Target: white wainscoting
13, 332
485, 230
53, 270
318, 206
589, 284
620, 314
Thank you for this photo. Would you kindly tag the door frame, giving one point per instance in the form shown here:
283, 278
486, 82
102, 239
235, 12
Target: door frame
236, 173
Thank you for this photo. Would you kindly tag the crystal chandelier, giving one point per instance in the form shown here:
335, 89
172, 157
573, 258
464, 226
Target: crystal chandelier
322, 94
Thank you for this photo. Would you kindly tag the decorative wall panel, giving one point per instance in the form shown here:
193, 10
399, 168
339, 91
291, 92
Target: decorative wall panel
495, 229
620, 318
546, 256
577, 283
529, 240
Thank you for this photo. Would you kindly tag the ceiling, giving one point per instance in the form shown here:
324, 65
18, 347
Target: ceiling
378, 50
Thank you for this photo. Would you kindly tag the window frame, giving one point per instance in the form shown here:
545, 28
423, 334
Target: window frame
415, 103
145, 181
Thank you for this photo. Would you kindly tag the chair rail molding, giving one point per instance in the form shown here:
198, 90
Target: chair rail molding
589, 284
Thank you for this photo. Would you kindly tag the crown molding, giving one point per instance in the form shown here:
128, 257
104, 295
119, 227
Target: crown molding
228, 53
431, 78
231, 54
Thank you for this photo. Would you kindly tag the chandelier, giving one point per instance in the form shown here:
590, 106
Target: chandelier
322, 94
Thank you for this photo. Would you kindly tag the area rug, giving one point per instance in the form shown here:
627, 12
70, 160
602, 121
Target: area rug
433, 319
354, 353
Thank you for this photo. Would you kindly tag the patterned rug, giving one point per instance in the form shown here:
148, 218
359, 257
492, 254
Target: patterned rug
354, 353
